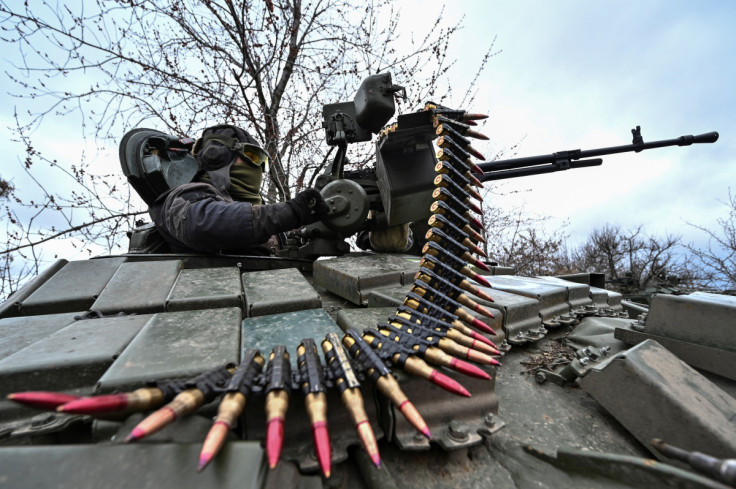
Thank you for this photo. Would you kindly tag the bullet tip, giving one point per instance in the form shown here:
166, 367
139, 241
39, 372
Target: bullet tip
322, 446
204, 460
274, 441
135, 435
41, 399
468, 369
481, 280
376, 460
483, 326
95, 405
482, 310
448, 383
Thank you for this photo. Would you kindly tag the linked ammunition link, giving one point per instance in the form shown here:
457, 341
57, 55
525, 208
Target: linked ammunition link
439, 283
451, 245
434, 309
278, 371
422, 328
458, 205
446, 255
311, 374
211, 382
389, 349
367, 359
425, 319
444, 298
441, 268
339, 365
246, 377
405, 338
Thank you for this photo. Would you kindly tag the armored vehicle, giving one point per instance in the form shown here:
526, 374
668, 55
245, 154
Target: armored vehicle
408, 390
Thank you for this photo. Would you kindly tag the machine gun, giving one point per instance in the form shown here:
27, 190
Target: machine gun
564, 160
398, 190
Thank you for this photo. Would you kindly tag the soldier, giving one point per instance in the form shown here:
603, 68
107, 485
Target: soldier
221, 210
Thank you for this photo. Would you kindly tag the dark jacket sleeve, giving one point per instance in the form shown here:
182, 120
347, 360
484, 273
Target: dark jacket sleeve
215, 225
197, 217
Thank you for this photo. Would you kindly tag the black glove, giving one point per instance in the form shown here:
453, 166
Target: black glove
309, 206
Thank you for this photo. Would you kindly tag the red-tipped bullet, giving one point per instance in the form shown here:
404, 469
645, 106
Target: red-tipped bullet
483, 326
475, 153
484, 347
152, 424
475, 222
473, 181
480, 264
135, 435
139, 400
482, 310
277, 402
367, 437
322, 446
448, 383
475, 134
481, 280
479, 293
96, 405
468, 369
274, 441
474, 248
482, 358
480, 337
41, 399
413, 416
475, 207
212, 444
469, 116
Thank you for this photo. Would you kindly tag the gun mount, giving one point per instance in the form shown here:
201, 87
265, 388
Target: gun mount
398, 189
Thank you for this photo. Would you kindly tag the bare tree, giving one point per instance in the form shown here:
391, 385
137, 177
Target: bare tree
633, 260
269, 66
181, 66
720, 253
520, 240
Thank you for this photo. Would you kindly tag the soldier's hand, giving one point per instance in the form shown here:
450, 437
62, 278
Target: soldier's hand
310, 205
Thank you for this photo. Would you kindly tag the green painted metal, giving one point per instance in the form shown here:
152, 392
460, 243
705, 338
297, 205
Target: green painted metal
353, 277
140, 466
278, 291
265, 332
20, 332
175, 345
656, 395
138, 288
73, 288
206, 288
74, 356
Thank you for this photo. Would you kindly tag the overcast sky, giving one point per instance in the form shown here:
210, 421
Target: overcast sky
581, 74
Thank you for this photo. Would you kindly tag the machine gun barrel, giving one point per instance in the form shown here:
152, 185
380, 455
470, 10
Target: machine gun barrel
563, 160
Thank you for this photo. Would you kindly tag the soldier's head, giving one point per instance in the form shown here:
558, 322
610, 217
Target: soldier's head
232, 161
